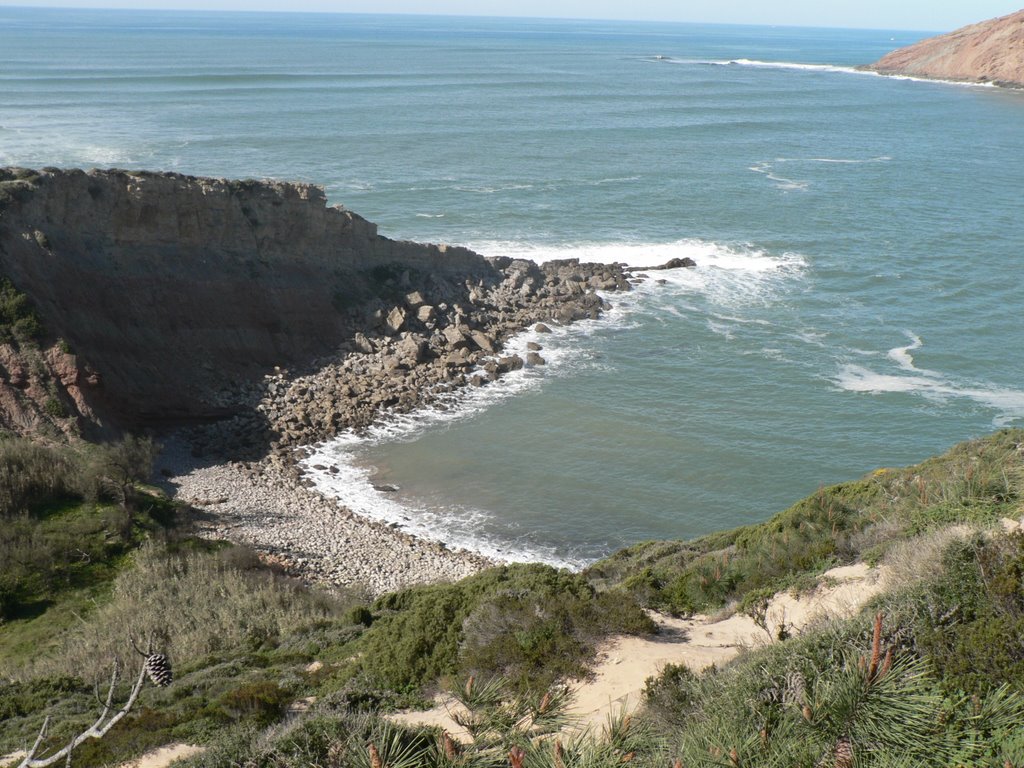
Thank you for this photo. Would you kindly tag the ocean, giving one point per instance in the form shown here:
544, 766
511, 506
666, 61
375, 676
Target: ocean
857, 298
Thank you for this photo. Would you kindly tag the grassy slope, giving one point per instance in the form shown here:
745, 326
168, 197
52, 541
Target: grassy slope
242, 638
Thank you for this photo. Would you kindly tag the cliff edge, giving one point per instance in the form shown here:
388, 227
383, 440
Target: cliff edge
988, 52
163, 295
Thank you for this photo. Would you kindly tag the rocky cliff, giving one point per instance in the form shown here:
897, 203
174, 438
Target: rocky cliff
989, 52
170, 299
169, 293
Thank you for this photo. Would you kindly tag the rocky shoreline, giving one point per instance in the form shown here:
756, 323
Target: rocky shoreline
434, 337
311, 536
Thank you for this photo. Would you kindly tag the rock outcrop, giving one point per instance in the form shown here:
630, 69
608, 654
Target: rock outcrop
989, 52
179, 299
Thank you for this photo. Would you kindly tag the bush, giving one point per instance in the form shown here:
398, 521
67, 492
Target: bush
55, 408
834, 697
18, 320
52, 538
33, 475
530, 623
262, 702
971, 615
112, 470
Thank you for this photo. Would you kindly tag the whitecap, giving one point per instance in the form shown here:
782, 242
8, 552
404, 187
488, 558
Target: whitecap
766, 168
902, 357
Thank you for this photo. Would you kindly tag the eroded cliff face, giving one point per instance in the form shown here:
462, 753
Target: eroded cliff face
173, 294
991, 51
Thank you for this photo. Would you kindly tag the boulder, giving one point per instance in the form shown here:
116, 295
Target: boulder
412, 350
532, 358
483, 341
456, 337
426, 313
686, 261
541, 328
362, 343
395, 320
509, 363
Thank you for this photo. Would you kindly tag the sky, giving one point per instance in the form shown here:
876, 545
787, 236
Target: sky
931, 15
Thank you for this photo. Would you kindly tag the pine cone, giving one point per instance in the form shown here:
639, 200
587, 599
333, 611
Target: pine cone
158, 669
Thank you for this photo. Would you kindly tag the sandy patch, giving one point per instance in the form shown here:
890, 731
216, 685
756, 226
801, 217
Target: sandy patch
625, 662
164, 756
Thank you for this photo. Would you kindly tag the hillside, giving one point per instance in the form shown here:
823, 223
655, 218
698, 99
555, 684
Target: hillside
146, 299
988, 52
268, 672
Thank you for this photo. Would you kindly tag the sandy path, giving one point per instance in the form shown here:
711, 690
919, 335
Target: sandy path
164, 756
625, 663
157, 758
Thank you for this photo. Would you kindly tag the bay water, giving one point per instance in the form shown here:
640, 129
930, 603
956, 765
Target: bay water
857, 299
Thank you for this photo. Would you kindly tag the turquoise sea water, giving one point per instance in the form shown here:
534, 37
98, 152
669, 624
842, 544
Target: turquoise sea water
858, 298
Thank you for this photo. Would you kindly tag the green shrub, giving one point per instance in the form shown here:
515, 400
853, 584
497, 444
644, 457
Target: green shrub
832, 697
57, 532
261, 702
18, 320
971, 615
361, 615
530, 623
55, 408
33, 475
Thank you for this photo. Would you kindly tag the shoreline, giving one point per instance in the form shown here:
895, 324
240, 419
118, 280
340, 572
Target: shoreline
268, 504
309, 535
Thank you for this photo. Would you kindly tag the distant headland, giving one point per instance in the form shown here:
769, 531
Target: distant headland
988, 52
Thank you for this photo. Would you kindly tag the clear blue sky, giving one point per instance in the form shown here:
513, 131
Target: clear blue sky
940, 15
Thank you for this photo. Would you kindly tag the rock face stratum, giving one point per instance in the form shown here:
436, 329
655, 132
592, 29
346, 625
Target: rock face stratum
170, 299
171, 291
988, 52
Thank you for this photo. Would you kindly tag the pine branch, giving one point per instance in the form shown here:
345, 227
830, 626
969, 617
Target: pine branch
98, 730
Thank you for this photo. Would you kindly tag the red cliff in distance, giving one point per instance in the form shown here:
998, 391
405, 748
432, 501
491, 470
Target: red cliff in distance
988, 52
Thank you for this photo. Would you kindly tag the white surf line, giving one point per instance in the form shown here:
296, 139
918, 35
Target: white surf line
767, 168
344, 478
811, 67
728, 275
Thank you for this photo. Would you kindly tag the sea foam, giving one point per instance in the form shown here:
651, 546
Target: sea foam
931, 385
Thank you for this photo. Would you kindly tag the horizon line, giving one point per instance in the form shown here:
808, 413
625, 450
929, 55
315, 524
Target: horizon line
57, 6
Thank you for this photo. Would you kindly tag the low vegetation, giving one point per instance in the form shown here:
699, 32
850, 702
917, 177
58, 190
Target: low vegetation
531, 624
838, 697
272, 673
67, 516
